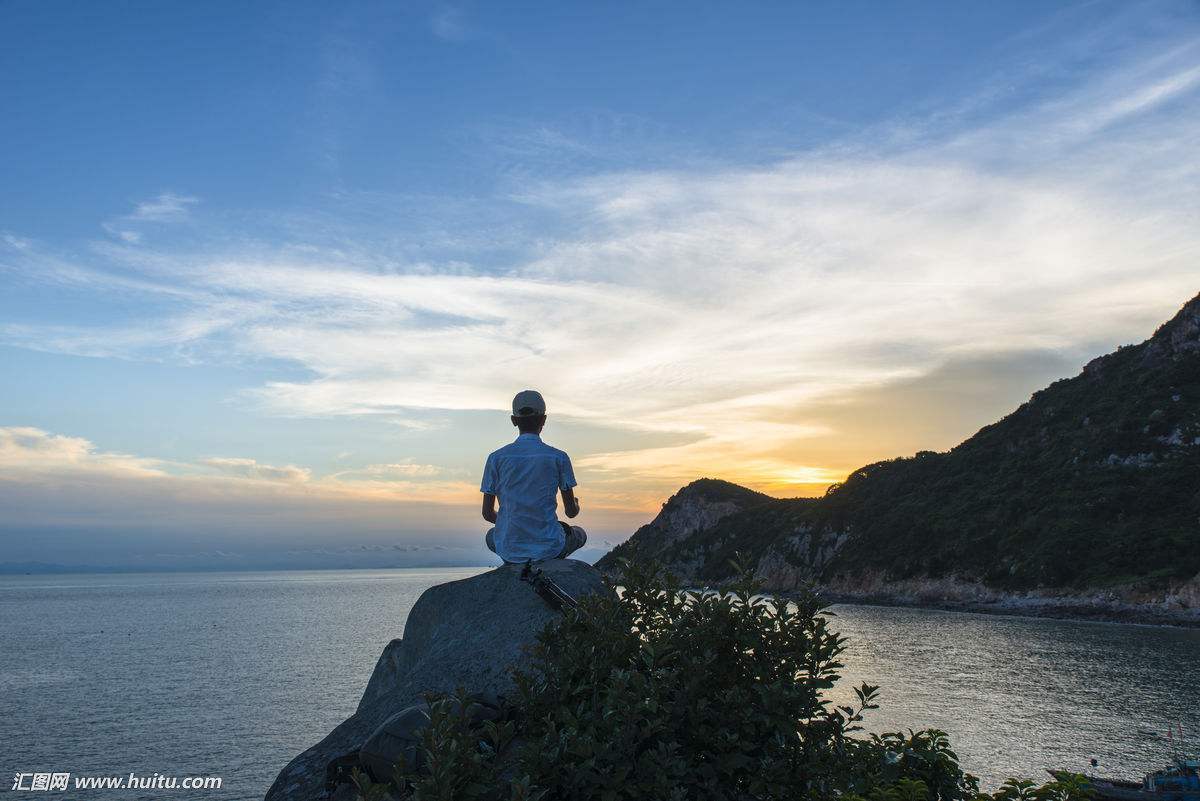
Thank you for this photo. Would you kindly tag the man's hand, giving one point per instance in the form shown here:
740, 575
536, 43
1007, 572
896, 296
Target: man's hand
570, 502
489, 507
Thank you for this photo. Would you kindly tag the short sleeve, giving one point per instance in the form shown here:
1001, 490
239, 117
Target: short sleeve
566, 475
490, 476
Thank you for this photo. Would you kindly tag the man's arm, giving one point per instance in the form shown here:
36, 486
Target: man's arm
488, 487
566, 485
570, 502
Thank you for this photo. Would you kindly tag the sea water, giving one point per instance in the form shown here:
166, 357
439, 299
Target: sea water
233, 674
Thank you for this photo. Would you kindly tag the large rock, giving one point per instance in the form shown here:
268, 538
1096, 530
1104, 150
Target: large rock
467, 634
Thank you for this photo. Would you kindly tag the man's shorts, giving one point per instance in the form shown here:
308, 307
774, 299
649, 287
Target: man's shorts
576, 538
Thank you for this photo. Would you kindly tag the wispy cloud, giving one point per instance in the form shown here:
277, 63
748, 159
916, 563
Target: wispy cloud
28, 451
28, 454
16, 242
250, 468
730, 305
449, 24
168, 207
404, 471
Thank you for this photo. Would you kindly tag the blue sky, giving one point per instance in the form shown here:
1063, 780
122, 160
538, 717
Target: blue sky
271, 272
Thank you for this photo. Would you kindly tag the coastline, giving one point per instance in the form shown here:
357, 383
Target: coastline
1073, 608
1178, 607
1175, 604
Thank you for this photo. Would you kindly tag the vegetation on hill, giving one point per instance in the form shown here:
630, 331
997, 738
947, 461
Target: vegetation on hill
660, 693
1094, 483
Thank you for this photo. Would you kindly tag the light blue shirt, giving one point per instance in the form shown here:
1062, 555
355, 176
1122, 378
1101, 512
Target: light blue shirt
526, 476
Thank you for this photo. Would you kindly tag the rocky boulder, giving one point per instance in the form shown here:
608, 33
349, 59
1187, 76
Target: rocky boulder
465, 634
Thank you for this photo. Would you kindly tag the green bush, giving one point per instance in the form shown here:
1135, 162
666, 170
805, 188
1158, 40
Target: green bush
663, 693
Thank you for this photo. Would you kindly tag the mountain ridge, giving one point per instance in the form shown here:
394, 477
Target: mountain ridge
1090, 489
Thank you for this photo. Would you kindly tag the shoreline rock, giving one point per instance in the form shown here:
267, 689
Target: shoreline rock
465, 634
1179, 608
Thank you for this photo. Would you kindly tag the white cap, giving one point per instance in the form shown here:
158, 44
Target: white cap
528, 403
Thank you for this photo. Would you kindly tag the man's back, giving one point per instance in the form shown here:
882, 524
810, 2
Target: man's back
526, 476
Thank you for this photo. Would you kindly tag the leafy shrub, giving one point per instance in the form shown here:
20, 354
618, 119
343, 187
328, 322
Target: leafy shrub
657, 692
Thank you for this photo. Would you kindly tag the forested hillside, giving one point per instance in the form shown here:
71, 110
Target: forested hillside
1093, 484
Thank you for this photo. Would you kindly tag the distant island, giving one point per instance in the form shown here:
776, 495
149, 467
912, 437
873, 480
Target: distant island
1085, 501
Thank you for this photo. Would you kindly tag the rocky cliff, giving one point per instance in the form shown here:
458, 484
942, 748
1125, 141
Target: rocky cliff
466, 634
1085, 497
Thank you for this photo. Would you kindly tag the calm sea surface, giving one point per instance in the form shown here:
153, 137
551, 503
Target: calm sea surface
232, 674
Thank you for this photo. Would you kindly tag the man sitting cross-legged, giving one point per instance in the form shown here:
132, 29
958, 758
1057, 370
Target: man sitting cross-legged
525, 476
